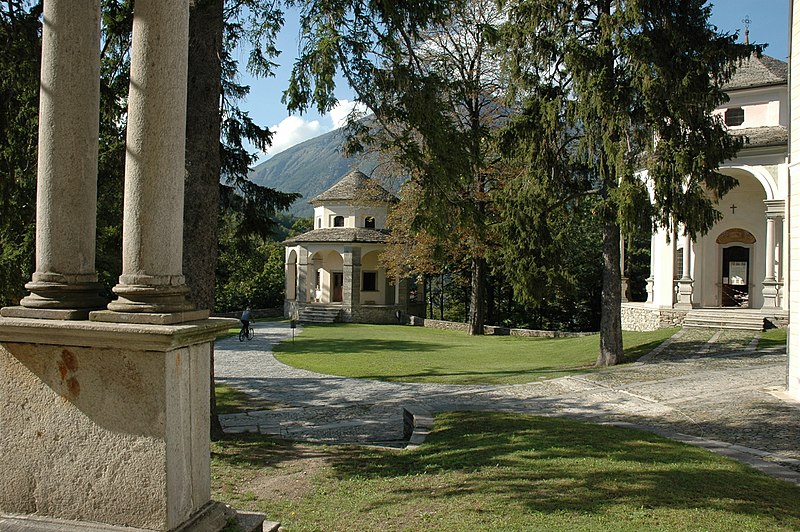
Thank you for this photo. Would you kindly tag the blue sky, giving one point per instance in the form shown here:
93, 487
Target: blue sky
769, 24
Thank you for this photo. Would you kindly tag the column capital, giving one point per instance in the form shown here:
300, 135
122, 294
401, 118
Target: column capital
775, 208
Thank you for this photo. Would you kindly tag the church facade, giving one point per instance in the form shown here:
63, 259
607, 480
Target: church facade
740, 266
333, 272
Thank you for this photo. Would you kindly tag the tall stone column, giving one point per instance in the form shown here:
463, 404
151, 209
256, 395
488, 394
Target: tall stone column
303, 291
65, 285
624, 280
351, 291
685, 283
152, 248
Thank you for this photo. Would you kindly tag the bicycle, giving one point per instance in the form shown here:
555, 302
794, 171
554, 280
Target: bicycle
246, 333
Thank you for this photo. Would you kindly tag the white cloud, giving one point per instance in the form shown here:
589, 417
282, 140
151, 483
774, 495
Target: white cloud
338, 114
293, 130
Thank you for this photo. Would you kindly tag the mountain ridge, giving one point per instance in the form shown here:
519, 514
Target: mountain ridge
310, 168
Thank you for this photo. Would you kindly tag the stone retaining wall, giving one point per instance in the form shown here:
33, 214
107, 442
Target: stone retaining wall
492, 330
377, 314
640, 317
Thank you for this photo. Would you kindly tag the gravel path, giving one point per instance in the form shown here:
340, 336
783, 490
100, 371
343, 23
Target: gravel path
708, 388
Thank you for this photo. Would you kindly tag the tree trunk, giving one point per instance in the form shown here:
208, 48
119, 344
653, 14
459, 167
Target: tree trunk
477, 302
200, 216
611, 300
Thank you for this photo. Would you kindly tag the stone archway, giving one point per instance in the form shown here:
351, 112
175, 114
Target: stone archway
735, 272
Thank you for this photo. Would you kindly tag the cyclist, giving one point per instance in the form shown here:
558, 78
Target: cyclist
246, 316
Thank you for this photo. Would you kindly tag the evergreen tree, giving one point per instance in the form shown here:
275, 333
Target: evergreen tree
431, 84
607, 88
20, 52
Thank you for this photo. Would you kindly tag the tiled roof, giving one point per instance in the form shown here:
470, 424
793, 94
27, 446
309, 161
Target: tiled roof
763, 136
758, 72
340, 234
355, 186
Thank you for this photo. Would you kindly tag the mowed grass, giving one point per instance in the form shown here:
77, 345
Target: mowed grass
772, 338
505, 472
417, 354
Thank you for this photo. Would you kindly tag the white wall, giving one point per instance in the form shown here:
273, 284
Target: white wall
353, 215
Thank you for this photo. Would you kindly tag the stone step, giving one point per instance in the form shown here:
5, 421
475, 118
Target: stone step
720, 319
320, 314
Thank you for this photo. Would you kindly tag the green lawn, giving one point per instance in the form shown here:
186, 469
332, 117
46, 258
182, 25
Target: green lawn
482, 471
417, 354
772, 338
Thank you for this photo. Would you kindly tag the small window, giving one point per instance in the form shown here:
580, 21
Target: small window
369, 222
734, 116
338, 221
370, 282
319, 223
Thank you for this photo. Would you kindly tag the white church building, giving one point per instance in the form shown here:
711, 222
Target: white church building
737, 271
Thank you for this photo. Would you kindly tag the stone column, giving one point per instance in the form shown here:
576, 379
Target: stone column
397, 290
152, 248
351, 291
685, 283
651, 280
65, 285
775, 210
302, 276
624, 280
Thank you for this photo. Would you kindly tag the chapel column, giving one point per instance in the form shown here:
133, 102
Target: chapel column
152, 278
351, 291
770, 285
685, 288
623, 280
64, 285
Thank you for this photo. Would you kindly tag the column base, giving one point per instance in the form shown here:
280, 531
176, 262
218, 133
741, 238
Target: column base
148, 318
685, 290
58, 301
165, 299
770, 293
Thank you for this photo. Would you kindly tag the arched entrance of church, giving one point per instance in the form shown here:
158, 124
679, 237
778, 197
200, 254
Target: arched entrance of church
736, 282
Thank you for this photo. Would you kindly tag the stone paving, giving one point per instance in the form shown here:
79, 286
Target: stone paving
709, 388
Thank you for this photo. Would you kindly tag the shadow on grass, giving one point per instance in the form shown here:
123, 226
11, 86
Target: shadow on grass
557, 465
308, 346
469, 377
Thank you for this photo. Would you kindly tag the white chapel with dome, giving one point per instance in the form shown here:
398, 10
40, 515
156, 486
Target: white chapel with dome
333, 272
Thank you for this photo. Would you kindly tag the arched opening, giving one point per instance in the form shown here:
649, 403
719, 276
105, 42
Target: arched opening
736, 247
369, 222
338, 221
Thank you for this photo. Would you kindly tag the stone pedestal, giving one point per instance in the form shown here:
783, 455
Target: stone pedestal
685, 289
107, 423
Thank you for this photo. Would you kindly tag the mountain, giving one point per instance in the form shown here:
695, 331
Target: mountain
309, 168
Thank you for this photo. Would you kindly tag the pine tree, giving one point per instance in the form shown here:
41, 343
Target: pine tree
432, 86
616, 97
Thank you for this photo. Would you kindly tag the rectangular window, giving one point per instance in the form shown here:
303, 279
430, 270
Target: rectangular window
369, 282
